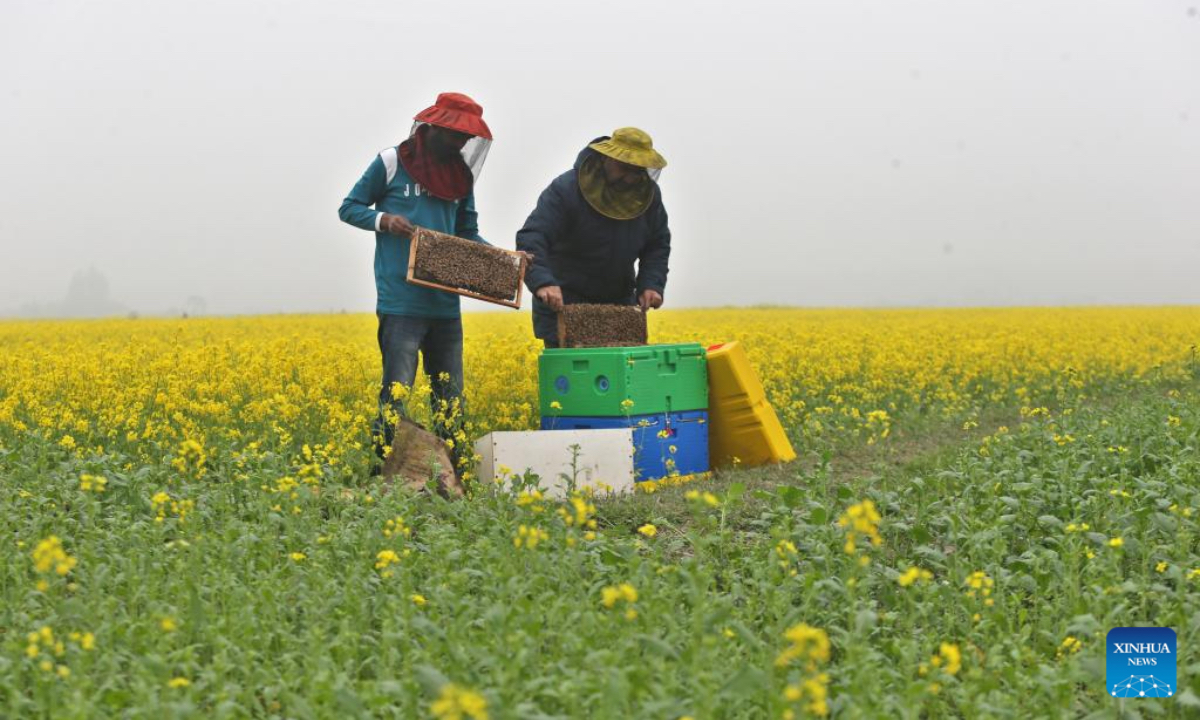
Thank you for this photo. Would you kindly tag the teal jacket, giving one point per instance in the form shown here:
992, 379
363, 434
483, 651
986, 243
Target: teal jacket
390, 189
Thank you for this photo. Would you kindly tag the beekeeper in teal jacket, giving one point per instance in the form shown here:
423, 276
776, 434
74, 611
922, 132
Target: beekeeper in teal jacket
427, 181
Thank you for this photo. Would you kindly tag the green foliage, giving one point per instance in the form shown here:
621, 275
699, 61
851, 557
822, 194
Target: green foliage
247, 594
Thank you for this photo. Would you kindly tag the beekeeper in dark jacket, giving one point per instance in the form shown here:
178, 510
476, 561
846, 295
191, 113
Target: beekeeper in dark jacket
590, 227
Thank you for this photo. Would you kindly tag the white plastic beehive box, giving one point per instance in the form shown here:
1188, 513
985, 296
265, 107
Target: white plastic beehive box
604, 461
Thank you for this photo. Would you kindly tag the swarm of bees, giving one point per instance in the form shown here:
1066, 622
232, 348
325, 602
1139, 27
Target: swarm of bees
586, 325
466, 265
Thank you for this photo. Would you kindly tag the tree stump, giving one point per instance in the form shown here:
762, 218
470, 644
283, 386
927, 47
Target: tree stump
418, 459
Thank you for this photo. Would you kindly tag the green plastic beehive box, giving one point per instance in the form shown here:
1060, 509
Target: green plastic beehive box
597, 382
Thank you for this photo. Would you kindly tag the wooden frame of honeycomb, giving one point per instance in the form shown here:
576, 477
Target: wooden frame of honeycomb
588, 325
465, 267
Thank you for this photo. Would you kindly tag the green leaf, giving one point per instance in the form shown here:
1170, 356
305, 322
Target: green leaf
658, 646
1050, 522
749, 682
745, 634
735, 492
864, 621
790, 496
349, 703
390, 688
297, 706
423, 626
431, 679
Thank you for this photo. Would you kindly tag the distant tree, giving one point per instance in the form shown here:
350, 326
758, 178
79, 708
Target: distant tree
195, 305
88, 295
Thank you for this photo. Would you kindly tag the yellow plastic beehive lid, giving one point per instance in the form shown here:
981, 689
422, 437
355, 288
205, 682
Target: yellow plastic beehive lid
743, 427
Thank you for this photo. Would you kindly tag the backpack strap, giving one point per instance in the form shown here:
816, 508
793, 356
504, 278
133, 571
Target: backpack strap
390, 161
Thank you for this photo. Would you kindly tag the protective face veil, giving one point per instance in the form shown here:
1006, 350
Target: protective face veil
447, 146
626, 198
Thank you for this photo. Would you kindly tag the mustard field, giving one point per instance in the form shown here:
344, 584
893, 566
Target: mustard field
188, 527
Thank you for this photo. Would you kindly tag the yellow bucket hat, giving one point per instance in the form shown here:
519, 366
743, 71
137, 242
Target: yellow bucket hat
632, 146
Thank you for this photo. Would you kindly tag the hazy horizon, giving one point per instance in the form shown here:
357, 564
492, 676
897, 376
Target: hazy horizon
169, 157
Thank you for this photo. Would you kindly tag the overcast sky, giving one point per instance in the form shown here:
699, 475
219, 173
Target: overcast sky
850, 152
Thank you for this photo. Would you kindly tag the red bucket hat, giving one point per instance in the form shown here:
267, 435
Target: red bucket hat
456, 112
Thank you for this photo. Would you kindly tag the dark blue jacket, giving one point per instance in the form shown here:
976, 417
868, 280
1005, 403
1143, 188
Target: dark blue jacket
590, 256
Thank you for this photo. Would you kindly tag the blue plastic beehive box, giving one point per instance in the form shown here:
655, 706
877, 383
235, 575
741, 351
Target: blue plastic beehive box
653, 459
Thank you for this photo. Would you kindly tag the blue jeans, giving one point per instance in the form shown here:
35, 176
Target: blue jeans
440, 342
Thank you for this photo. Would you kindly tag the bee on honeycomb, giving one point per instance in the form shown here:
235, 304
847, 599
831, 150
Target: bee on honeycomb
588, 325
466, 265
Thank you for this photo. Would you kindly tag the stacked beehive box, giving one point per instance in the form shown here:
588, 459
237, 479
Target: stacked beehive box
660, 391
745, 429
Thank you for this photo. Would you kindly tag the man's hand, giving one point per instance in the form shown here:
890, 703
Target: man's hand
396, 225
650, 299
552, 296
